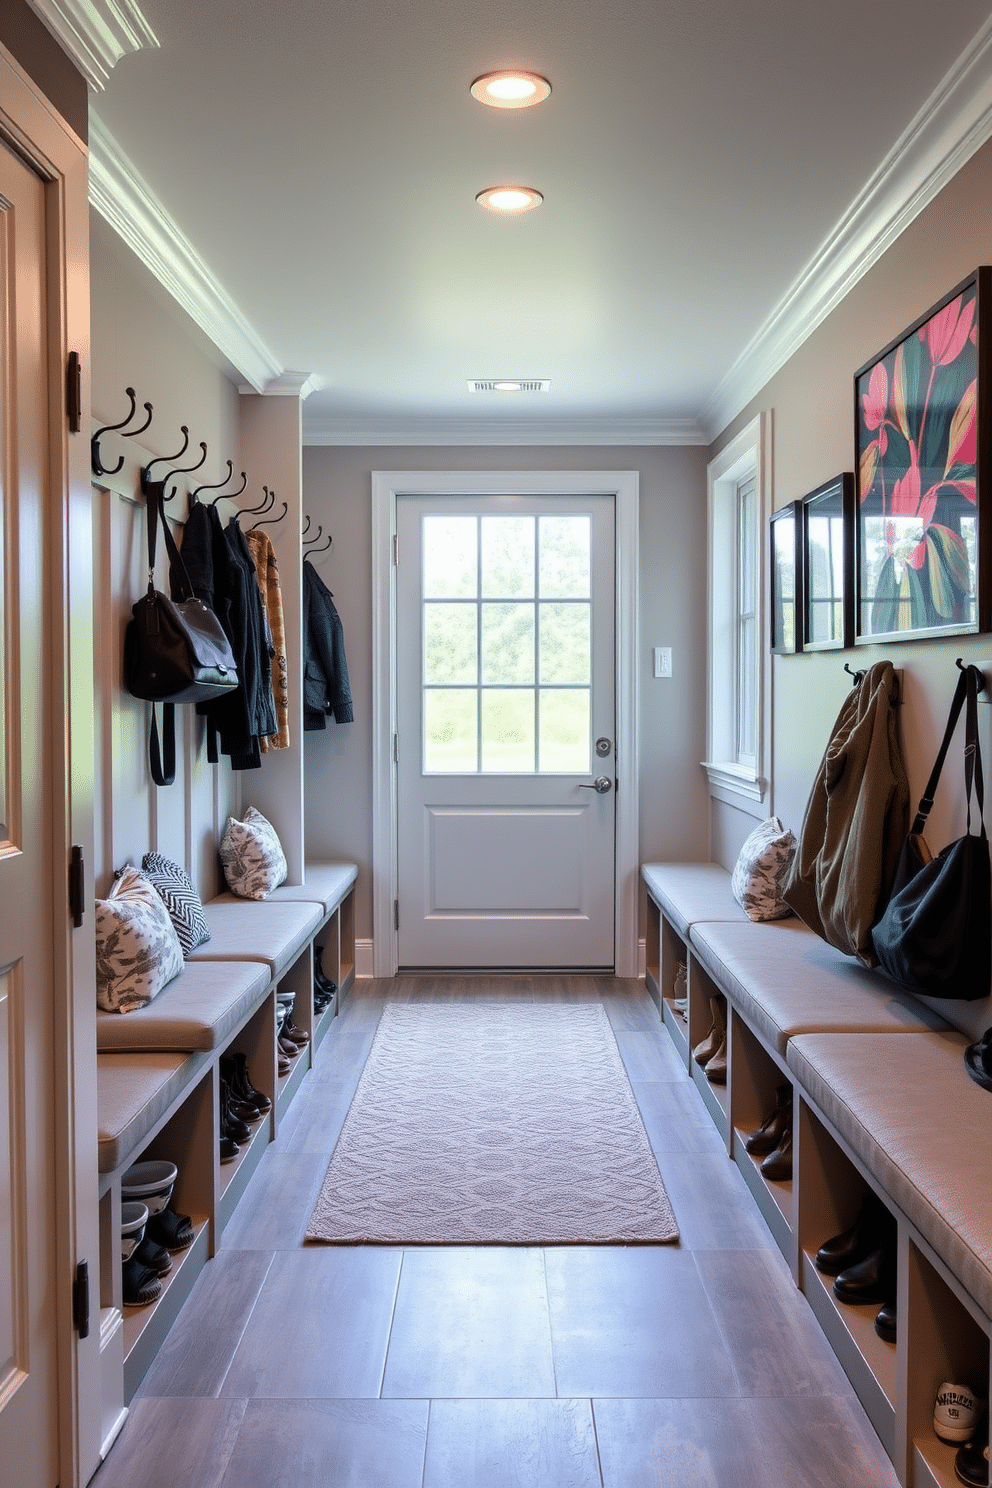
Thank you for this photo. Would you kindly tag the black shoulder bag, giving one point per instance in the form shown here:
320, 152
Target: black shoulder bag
935, 936
174, 651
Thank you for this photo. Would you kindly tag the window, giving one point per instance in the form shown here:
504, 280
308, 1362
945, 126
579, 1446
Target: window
735, 723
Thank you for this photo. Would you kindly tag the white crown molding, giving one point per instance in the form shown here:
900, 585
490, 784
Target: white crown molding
120, 195
288, 385
955, 121
323, 429
96, 33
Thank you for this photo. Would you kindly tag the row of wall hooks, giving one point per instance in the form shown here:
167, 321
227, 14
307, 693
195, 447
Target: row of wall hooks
150, 483
308, 542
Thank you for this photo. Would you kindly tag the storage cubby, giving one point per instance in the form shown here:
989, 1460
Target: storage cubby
701, 989
758, 1075
652, 951
829, 1191
947, 1341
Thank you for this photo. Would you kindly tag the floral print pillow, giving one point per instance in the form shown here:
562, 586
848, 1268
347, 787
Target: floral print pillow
252, 856
761, 871
137, 949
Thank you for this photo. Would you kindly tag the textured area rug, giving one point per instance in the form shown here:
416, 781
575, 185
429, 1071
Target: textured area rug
493, 1124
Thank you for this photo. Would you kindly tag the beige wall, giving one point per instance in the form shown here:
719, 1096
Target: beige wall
338, 764
812, 403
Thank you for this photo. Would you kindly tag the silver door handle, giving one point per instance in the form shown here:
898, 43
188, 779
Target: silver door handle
601, 785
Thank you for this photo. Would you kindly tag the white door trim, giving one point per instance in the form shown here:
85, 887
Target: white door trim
387, 485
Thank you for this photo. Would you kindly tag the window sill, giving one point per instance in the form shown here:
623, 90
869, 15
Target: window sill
736, 786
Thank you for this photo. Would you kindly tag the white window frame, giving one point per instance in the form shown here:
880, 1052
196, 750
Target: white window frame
740, 783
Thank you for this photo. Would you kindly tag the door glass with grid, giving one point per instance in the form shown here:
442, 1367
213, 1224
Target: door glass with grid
505, 707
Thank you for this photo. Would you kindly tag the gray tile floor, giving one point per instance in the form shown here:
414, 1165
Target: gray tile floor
697, 1365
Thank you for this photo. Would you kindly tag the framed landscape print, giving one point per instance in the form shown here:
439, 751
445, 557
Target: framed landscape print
828, 565
786, 578
921, 447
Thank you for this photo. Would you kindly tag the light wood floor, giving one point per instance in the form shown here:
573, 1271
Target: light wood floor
689, 1366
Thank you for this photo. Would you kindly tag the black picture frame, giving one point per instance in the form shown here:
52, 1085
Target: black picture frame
923, 538
785, 570
828, 521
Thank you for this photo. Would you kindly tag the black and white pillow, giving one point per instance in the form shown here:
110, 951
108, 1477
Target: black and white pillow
762, 869
137, 949
180, 899
252, 855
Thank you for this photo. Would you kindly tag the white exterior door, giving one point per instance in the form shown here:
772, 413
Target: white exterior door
505, 740
29, 1425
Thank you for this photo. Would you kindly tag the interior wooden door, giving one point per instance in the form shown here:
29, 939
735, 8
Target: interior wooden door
29, 1434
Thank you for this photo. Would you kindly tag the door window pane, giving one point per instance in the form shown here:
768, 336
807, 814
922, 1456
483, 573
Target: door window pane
565, 643
564, 563
451, 558
507, 557
450, 644
508, 731
507, 644
564, 732
451, 731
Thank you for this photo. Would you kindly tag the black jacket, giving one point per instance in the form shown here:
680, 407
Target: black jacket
325, 670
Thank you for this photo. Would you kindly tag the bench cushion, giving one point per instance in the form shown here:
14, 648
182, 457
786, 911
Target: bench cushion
326, 884
921, 1127
202, 1009
256, 930
785, 980
133, 1092
691, 892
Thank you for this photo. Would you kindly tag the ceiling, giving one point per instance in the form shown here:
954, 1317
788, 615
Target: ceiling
709, 174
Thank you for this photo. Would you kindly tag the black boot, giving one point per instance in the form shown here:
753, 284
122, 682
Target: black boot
769, 1133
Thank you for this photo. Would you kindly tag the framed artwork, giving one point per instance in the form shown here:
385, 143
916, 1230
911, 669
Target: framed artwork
786, 579
828, 565
921, 447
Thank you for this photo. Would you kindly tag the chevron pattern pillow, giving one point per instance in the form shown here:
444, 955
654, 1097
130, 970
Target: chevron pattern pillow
180, 899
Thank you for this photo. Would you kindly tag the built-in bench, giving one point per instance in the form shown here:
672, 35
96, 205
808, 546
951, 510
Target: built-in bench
897, 1114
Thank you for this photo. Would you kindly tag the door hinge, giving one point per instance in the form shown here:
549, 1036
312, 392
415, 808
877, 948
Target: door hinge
396, 749
74, 392
77, 887
81, 1300
396, 914
396, 550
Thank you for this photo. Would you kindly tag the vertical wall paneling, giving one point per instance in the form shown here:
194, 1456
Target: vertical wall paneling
271, 445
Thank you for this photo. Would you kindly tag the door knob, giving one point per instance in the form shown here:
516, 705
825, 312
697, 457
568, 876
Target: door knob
601, 785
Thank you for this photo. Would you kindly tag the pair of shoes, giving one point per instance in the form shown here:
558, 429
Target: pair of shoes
287, 1047
711, 1053
297, 1036
957, 1412
769, 1134
873, 1279
971, 1461
140, 1283
235, 1067
321, 979
854, 1243
777, 1166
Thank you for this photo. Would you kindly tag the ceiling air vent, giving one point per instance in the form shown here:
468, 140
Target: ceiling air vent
509, 384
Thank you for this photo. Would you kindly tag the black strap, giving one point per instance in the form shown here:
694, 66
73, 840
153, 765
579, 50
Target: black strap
166, 775
969, 684
155, 504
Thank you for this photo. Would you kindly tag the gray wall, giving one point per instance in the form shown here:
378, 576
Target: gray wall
812, 400
35, 48
338, 764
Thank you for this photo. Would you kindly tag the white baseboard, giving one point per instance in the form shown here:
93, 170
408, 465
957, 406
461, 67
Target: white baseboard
363, 958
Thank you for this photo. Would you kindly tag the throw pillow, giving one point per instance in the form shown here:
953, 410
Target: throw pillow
180, 898
761, 871
252, 855
137, 949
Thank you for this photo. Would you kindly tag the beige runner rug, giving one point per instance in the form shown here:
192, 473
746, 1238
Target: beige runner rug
493, 1124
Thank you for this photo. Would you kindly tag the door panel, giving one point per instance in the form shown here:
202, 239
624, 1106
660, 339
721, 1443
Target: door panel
28, 1398
505, 659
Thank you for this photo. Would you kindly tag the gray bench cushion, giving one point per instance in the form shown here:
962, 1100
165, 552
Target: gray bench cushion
201, 1009
256, 930
133, 1091
921, 1127
691, 892
326, 884
785, 980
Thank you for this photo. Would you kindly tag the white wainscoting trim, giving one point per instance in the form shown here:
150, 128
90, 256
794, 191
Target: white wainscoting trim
363, 959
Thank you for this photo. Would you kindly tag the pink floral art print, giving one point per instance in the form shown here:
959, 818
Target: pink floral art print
918, 476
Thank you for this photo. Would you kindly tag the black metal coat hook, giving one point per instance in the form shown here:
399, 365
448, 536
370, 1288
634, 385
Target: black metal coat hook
98, 467
216, 487
185, 470
146, 472
307, 541
228, 495
306, 528
324, 549
962, 667
268, 502
273, 520
858, 676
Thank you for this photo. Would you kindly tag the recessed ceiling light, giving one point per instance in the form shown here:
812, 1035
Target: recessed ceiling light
508, 201
509, 89
509, 384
